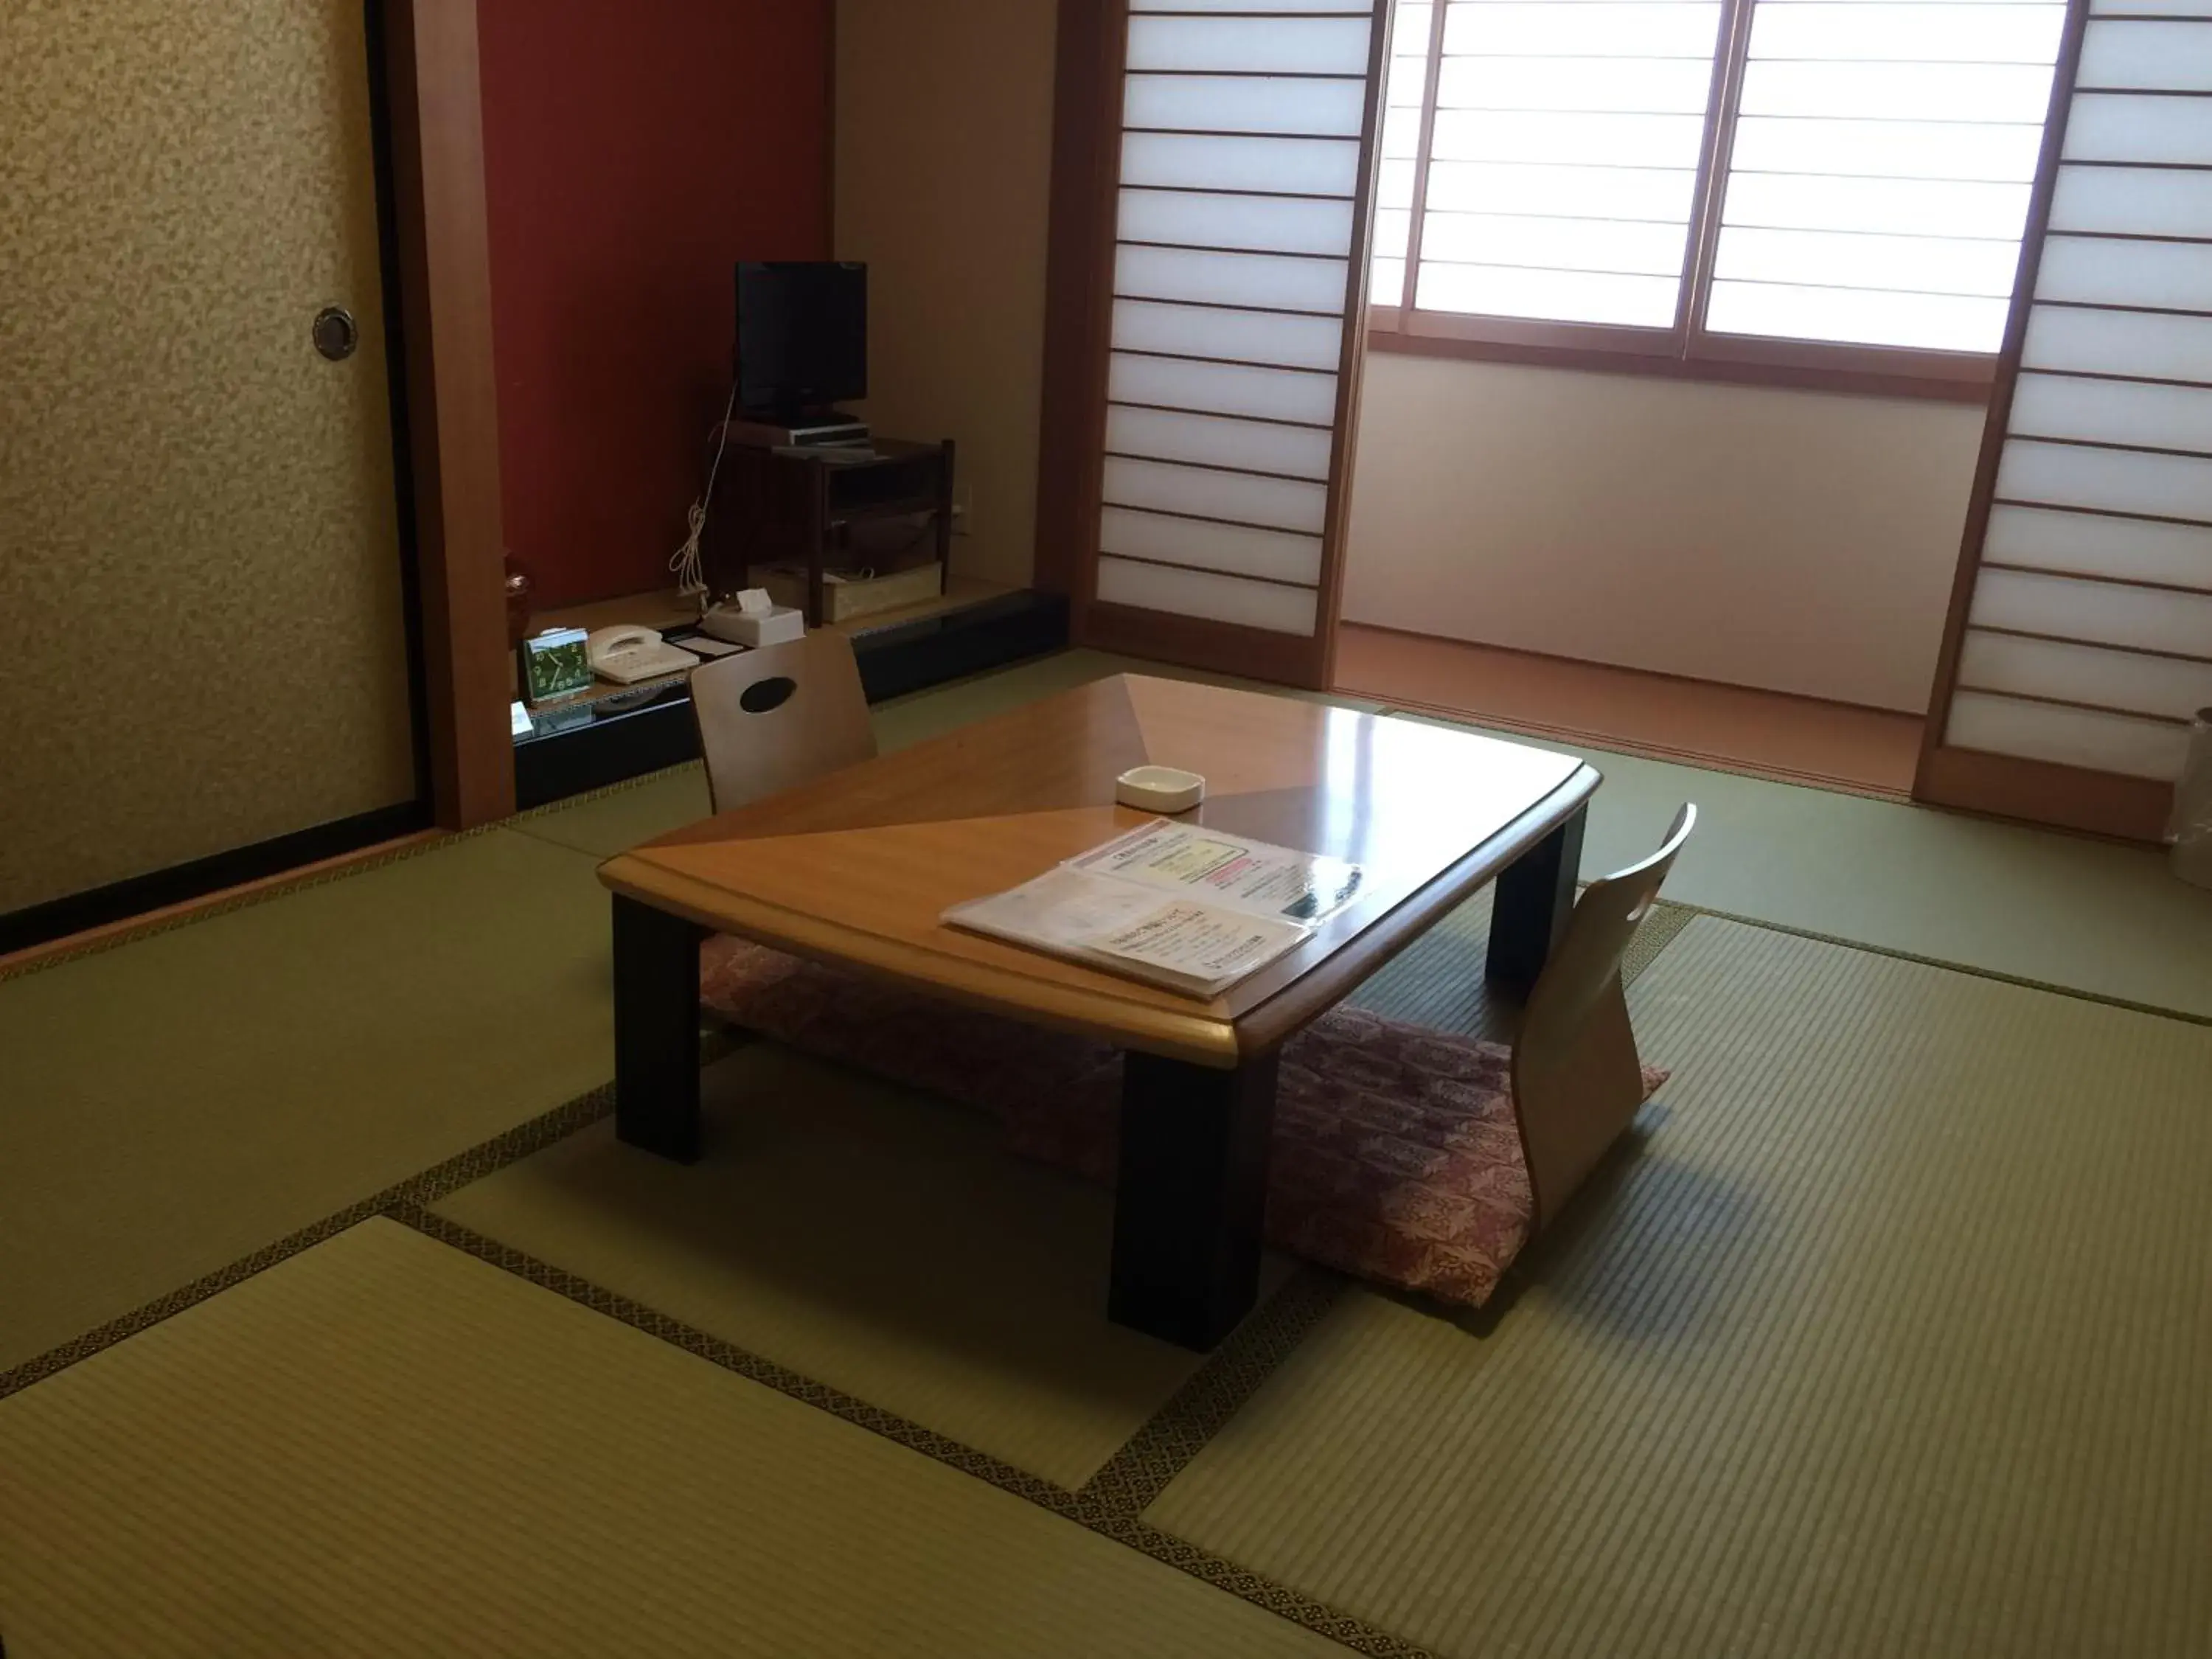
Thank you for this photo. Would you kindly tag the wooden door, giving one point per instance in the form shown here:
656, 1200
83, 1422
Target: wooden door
1212, 182
2080, 640
201, 588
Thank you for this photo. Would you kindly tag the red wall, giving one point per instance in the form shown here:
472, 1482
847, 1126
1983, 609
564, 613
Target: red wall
633, 154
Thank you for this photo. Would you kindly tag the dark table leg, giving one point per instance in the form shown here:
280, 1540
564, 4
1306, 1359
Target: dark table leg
1528, 914
657, 1030
1189, 1196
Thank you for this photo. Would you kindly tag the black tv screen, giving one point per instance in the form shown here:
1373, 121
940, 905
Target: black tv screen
802, 335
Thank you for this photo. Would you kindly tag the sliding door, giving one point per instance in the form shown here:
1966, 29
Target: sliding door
2080, 634
1211, 191
200, 565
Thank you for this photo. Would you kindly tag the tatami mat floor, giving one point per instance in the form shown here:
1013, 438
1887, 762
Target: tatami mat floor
1890, 1337
1885, 1334
383, 1447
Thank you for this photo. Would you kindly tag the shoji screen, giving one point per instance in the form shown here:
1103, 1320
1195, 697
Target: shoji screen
2081, 637
1233, 326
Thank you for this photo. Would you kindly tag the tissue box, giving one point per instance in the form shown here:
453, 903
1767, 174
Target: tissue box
773, 626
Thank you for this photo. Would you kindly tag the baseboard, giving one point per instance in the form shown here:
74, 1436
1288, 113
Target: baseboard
2045, 792
181, 883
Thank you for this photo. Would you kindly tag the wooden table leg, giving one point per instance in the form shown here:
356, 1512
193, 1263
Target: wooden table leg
1189, 1196
1528, 913
656, 1029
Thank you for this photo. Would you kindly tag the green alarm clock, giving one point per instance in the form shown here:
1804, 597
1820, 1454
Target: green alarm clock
554, 664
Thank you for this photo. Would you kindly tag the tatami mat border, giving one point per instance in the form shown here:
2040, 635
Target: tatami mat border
1127, 1482
2003, 978
434, 1183
1176, 1432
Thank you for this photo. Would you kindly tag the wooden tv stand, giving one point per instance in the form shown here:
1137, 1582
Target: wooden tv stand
822, 523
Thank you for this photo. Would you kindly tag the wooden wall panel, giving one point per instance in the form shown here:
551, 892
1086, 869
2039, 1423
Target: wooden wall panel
452, 403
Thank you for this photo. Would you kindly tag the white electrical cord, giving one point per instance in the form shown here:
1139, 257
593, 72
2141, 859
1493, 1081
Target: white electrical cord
690, 575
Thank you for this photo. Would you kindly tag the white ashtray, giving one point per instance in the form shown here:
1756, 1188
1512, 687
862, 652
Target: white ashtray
1159, 789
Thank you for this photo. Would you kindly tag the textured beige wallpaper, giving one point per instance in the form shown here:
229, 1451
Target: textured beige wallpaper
944, 186
199, 578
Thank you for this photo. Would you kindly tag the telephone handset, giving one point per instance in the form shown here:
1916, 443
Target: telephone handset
627, 654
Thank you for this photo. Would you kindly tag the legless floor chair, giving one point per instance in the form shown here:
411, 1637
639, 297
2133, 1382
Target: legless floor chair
1577, 1079
779, 716
1417, 1157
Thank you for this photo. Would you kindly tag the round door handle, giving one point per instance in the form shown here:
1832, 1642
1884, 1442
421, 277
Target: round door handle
335, 333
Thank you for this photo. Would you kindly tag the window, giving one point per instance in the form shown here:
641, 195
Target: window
1812, 183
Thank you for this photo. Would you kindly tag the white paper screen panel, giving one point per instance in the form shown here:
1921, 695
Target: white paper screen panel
1879, 179
2094, 544
1562, 158
1207, 595
1241, 165
2085, 737
1263, 339
2089, 637
1287, 451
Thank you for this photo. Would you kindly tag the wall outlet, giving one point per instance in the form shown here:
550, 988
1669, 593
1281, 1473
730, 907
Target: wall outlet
964, 509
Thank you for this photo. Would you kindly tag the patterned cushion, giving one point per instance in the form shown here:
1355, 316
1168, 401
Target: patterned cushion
1395, 1157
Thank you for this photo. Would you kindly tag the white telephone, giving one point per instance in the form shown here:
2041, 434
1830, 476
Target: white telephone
627, 655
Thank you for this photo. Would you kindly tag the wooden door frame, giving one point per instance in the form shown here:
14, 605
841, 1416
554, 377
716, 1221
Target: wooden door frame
1086, 169
450, 394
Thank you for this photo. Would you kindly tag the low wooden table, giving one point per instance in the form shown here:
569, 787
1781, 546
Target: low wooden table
855, 869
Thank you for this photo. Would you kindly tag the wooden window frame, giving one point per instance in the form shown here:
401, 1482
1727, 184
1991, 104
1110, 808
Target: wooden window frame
1686, 349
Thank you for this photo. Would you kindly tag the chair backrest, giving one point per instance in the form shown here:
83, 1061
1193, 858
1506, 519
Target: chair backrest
1577, 1079
781, 715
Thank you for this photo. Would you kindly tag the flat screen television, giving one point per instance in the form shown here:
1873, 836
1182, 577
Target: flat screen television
802, 335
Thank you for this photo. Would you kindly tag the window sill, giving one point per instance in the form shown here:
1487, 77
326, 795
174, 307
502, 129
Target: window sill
1868, 372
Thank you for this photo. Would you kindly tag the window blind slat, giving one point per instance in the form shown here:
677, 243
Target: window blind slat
1927, 322
1553, 295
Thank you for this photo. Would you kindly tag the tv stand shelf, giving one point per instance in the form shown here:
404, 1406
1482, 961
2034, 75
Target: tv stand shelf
775, 508
613, 732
